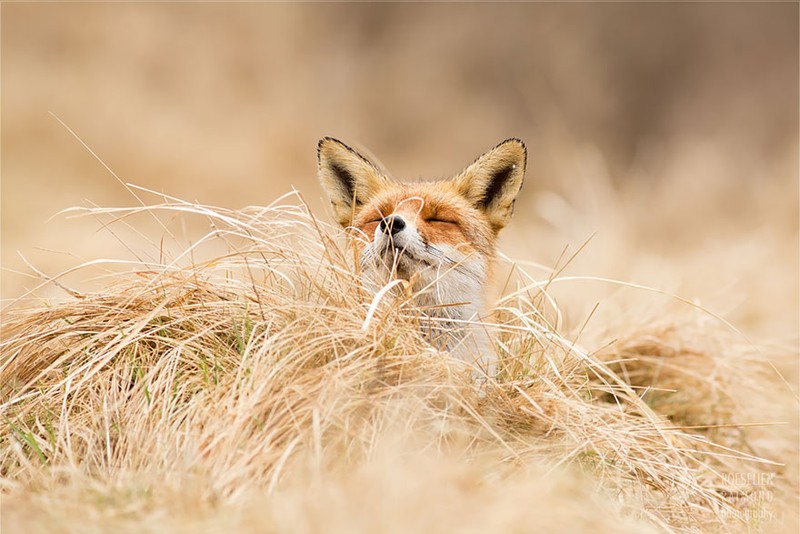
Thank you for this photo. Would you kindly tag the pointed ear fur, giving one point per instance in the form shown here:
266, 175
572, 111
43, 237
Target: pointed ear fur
491, 183
348, 178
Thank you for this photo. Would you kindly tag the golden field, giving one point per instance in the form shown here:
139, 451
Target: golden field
205, 363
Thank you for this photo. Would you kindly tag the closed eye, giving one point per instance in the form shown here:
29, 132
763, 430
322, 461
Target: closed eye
442, 221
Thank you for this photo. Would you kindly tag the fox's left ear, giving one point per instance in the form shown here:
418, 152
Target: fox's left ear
493, 181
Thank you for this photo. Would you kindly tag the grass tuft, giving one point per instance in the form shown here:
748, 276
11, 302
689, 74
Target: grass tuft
249, 381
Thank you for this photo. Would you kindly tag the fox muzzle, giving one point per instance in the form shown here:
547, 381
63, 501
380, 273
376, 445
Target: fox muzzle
392, 224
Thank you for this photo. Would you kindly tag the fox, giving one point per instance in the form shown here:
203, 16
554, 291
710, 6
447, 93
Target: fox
439, 237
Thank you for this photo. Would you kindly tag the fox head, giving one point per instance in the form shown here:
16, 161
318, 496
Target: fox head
439, 235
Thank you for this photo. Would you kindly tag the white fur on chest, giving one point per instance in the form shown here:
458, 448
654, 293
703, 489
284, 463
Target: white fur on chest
448, 286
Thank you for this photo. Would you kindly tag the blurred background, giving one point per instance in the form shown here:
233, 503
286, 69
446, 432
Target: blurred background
666, 133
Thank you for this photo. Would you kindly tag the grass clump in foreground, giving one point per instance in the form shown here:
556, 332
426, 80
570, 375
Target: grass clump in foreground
262, 388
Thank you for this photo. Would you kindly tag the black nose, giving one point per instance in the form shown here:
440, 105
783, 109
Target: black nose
392, 224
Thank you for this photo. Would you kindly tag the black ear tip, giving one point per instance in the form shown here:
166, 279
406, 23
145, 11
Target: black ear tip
515, 140
327, 140
521, 144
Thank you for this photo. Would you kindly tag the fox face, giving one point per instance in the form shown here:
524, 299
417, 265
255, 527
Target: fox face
426, 238
439, 236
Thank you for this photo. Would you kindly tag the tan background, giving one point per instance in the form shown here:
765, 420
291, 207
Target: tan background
668, 130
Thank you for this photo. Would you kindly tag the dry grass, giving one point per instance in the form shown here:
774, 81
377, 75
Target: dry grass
248, 382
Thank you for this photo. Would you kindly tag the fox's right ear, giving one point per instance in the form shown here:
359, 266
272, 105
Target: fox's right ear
348, 177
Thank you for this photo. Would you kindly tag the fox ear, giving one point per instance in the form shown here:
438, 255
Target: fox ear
348, 177
492, 183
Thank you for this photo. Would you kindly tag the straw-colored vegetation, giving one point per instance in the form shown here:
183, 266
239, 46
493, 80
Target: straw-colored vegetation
247, 382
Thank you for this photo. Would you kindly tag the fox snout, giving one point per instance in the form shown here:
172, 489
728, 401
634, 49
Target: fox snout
394, 236
392, 224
